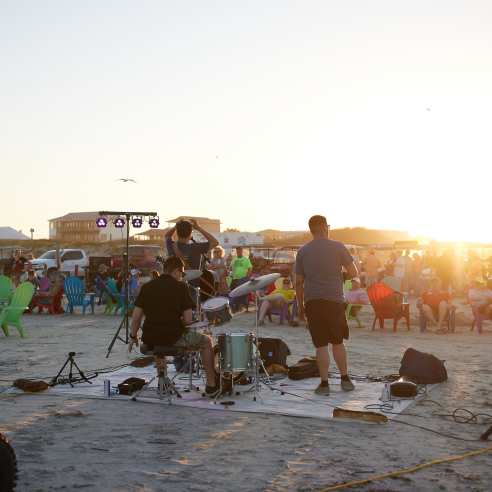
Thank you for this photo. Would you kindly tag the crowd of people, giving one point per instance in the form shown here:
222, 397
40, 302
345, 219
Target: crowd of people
434, 279
328, 277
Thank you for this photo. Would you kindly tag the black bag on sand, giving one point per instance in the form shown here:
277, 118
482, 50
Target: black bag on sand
305, 368
422, 368
273, 351
130, 385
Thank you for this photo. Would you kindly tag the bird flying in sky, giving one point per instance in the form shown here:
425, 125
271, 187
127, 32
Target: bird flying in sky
126, 180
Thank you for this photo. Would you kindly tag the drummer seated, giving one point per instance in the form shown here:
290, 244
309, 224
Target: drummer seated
278, 298
166, 304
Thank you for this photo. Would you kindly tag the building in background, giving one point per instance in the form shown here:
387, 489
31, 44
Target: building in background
232, 239
154, 235
210, 225
9, 233
81, 227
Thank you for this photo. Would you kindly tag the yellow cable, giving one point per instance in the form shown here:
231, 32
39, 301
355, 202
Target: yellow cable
407, 470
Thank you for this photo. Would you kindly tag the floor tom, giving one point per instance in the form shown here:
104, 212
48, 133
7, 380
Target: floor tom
236, 352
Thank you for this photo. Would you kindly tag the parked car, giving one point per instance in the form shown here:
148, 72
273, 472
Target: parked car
275, 260
71, 261
142, 257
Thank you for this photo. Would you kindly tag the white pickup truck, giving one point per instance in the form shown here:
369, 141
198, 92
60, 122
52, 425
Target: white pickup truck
69, 259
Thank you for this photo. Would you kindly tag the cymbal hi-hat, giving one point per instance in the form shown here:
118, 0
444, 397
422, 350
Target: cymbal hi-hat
254, 285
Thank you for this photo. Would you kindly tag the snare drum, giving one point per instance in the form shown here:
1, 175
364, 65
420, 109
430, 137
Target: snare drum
236, 352
217, 310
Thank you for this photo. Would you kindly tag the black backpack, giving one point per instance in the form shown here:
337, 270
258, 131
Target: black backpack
422, 368
273, 351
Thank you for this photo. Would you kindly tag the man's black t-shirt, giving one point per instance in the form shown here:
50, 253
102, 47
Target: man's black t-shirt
163, 301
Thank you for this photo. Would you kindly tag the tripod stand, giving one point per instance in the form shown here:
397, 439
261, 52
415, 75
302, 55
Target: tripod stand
81, 377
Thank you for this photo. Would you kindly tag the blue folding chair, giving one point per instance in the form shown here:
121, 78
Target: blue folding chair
76, 295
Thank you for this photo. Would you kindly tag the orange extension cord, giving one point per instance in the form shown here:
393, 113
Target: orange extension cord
407, 470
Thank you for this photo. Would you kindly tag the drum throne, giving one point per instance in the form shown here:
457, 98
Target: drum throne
165, 386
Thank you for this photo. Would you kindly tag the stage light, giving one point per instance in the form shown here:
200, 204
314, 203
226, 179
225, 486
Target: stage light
154, 222
101, 222
137, 222
119, 222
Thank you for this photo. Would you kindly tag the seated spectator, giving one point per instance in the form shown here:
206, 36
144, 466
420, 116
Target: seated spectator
436, 304
356, 294
44, 282
100, 282
154, 275
480, 297
277, 298
31, 277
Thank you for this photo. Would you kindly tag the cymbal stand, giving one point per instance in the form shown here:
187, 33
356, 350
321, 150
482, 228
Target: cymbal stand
257, 356
194, 357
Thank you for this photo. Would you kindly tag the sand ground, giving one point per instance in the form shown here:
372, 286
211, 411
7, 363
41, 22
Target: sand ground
66, 443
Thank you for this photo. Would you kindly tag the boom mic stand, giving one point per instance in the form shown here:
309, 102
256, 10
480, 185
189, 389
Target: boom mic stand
124, 322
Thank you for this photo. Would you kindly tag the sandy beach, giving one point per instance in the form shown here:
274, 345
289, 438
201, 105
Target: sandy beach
68, 443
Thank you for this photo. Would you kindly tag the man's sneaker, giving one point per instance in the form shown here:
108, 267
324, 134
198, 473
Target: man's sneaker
212, 391
347, 385
323, 389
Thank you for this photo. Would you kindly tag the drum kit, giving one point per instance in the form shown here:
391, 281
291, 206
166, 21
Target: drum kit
238, 353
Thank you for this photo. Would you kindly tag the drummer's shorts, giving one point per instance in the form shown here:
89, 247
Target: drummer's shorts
192, 340
326, 322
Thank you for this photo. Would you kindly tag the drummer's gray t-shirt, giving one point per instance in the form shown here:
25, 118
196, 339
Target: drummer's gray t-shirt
320, 262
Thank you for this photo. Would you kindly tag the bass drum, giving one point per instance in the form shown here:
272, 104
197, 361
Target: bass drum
208, 287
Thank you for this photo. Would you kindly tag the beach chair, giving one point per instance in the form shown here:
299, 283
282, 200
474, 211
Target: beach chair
76, 295
392, 282
287, 312
115, 301
6, 290
51, 303
387, 304
11, 315
349, 314
450, 319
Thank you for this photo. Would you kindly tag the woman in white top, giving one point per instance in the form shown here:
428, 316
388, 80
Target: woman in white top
219, 268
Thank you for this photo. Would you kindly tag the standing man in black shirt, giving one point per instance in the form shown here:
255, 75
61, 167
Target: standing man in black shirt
167, 306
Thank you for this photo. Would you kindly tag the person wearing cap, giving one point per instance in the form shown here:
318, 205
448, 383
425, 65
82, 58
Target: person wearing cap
166, 305
321, 266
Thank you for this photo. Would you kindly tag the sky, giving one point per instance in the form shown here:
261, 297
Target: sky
260, 113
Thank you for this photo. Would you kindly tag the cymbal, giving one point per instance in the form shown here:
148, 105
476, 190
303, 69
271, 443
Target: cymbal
254, 284
191, 275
